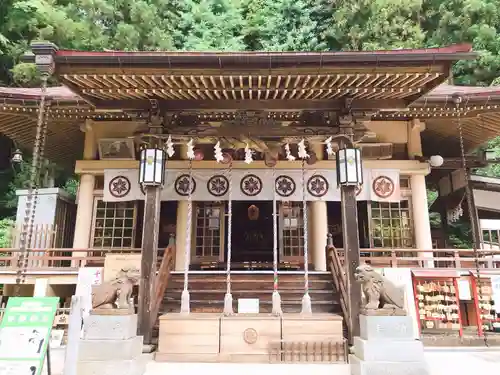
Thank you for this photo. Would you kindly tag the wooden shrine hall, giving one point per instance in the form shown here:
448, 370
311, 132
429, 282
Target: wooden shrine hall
252, 184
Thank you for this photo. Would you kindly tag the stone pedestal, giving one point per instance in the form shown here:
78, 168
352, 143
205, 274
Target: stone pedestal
386, 346
110, 346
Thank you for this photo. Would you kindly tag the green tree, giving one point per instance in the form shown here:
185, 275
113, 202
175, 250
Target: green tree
6, 226
376, 24
210, 25
473, 21
284, 25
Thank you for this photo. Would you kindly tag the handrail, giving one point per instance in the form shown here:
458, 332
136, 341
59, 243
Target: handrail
161, 283
58, 258
72, 259
339, 279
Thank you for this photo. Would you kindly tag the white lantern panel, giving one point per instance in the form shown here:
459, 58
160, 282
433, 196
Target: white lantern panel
160, 166
349, 167
152, 167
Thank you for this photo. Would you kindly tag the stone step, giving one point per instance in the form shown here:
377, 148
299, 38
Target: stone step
207, 291
241, 285
217, 306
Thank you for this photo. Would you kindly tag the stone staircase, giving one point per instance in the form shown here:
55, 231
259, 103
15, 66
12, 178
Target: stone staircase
207, 291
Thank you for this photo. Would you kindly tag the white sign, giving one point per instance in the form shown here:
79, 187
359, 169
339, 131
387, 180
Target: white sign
495, 286
248, 306
18, 368
87, 277
464, 290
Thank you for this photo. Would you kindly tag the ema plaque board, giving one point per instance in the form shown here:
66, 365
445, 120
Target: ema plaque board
25, 333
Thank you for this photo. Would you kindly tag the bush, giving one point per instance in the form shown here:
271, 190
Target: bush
6, 226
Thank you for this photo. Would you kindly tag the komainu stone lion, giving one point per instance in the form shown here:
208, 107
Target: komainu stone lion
116, 293
382, 297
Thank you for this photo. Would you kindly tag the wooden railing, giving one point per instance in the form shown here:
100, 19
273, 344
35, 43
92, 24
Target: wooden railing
72, 259
161, 282
50, 259
435, 258
339, 279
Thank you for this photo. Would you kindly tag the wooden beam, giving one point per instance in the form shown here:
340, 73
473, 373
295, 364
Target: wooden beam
234, 105
352, 255
97, 167
148, 260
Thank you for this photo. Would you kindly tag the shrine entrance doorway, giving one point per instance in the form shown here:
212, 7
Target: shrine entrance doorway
252, 237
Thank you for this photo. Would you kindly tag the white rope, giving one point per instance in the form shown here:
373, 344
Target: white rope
228, 298
306, 300
276, 298
185, 300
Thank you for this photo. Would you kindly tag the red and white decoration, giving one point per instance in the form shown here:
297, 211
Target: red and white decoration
255, 184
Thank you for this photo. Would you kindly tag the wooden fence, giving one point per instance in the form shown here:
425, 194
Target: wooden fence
43, 236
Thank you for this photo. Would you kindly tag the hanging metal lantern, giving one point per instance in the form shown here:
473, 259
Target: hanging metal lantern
349, 167
152, 167
253, 212
17, 157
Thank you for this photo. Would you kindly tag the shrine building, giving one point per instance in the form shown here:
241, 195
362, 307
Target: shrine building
278, 174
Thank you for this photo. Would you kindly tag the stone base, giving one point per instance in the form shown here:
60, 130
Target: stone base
128, 367
110, 327
395, 351
387, 347
387, 328
360, 367
103, 350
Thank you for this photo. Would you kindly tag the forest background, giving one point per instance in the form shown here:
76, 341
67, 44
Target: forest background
243, 25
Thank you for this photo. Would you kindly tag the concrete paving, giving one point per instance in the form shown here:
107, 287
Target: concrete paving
456, 361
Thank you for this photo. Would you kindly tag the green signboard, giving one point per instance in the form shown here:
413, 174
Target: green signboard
25, 334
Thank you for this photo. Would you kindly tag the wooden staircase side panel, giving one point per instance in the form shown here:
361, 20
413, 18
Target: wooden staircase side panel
339, 279
161, 283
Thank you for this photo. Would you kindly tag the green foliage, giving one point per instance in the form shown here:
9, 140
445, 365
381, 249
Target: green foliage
460, 234
71, 187
434, 217
279, 25
210, 25
6, 226
493, 169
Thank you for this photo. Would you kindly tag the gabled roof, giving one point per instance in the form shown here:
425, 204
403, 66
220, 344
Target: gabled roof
405, 84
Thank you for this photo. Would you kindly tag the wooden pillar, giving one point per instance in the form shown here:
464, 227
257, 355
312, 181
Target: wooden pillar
149, 260
318, 225
421, 222
319, 234
352, 256
85, 202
